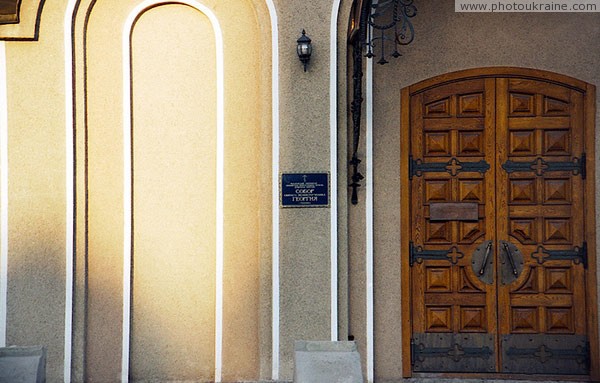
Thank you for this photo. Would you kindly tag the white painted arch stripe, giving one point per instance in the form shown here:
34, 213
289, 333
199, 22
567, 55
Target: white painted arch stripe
3, 194
275, 298
369, 221
333, 153
127, 191
69, 188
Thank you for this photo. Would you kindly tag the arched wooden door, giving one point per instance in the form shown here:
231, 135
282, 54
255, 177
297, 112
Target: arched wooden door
498, 224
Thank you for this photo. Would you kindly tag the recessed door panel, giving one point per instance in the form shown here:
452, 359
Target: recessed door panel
540, 213
453, 140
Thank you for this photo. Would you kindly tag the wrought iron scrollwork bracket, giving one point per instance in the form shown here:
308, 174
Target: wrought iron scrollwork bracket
375, 20
355, 109
357, 98
390, 15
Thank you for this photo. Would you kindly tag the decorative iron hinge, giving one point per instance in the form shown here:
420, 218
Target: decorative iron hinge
455, 352
453, 166
450, 352
540, 166
577, 255
417, 254
544, 354
567, 354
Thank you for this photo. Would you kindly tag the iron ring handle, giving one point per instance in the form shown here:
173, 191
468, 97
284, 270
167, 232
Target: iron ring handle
510, 259
488, 248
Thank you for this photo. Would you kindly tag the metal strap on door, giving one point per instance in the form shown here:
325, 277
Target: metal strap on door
540, 166
578, 255
453, 166
546, 354
453, 352
417, 254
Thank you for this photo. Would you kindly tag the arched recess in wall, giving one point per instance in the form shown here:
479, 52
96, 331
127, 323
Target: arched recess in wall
174, 197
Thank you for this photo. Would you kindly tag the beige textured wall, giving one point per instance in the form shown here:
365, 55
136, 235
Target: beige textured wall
447, 41
104, 205
174, 191
305, 233
305, 147
36, 225
174, 161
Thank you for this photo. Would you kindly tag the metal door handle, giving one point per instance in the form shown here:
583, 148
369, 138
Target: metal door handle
510, 259
481, 258
488, 248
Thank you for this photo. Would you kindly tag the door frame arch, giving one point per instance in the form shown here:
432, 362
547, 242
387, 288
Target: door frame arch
588, 92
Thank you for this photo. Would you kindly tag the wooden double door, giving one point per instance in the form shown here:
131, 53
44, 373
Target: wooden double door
499, 226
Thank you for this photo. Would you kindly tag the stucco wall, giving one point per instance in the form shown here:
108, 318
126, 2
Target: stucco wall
445, 42
36, 189
183, 105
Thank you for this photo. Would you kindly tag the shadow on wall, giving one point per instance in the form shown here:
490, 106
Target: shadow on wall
36, 277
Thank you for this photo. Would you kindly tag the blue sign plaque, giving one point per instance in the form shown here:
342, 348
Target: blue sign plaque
305, 190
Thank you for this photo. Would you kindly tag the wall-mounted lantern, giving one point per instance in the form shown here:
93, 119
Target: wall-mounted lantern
304, 49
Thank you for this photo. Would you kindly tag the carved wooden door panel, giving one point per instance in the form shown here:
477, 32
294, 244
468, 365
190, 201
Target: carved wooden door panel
497, 242
451, 169
540, 223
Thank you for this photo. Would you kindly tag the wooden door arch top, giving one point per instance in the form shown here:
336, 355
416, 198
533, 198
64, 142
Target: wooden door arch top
499, 71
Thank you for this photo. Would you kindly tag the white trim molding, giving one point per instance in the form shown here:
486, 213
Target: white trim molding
333, 152
69, 187
369, 220
3, 195
275, 298
127, 174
